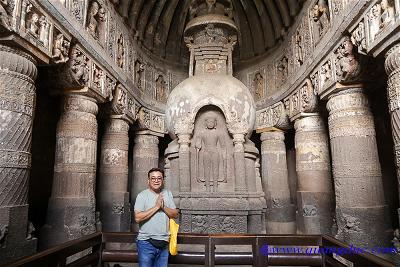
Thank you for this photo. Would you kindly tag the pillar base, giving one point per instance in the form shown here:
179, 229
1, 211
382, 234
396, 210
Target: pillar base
67, 219
116, 215
364, 227
16, 243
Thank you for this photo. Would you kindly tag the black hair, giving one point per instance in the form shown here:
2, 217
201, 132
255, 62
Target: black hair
155, 170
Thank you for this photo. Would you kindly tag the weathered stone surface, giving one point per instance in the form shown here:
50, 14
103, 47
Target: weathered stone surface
71, 211
315, 197
145, 157
280, 216
113, 192
356, 171
17, 104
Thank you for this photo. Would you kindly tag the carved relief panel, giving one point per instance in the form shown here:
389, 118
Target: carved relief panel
320, 19
139, 69
6, 12
161, 88
282, 70
120, 53
258, 84
96, 20
61, 46
35, 25
379, 18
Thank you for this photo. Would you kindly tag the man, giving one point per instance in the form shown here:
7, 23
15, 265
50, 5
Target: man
153, 208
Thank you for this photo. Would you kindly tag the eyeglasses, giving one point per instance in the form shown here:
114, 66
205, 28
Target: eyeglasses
153, 179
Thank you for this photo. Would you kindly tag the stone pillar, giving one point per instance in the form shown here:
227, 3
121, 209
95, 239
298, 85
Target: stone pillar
71, 209
361, 213
113, 177
281, 213
145, 157
240, 164
17, 104
315, 201
184, 162
392, 67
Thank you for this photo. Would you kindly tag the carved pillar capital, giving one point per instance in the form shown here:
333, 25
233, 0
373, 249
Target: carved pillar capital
392, 62
275, 134
274, 116
309, 121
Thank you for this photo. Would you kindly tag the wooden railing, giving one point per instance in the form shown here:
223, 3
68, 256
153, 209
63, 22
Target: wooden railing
209, 256
57, 256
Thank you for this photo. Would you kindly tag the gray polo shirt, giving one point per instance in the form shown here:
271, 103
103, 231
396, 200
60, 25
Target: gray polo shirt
157, 227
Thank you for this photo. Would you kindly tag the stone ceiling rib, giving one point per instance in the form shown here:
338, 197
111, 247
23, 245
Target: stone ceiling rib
134, 11
144, 16
256, 31
173, 40
245, 41
160, 24
266, 24
284, 11
153, 24
276, 20
164, 26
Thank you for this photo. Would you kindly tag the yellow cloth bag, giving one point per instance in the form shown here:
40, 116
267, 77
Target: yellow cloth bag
173, 238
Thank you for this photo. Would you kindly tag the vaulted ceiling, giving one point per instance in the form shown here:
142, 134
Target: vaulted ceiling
159, 25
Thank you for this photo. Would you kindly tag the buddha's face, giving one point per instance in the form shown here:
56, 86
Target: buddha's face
211, 123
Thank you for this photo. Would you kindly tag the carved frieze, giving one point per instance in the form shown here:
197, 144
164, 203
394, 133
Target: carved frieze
303, 100
212, 223
161, 88
273, 116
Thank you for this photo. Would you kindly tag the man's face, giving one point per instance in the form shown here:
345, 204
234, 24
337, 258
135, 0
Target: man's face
156, 180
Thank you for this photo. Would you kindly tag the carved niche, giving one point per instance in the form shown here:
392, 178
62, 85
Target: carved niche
282, 69
120, 55
95, 20
211, 152
139, 69
161, 87
320, 19
258, 86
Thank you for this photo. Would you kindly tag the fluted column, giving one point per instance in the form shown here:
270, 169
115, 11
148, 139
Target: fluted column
280, 215
360, 207
71, 209
315, 198
145, 157
184, 162
113, 177
17, 104
392, 67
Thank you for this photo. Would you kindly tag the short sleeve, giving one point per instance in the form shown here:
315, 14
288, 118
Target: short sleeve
139, 203
170, 200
